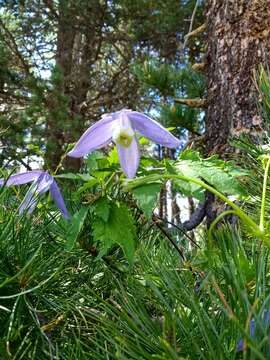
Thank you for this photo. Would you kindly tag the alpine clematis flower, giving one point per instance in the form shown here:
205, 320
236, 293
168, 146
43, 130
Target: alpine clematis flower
120, 127
42, 182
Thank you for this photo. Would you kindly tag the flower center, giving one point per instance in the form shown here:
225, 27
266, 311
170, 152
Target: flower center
123, 132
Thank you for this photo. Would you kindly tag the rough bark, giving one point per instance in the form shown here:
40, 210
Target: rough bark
238, 40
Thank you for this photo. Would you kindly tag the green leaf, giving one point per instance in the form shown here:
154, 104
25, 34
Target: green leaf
218, 173
190, 155
146, 196
92, 160
75, 227
118, 229
101, 208
71, 176
113, 156
143, 141
88, 185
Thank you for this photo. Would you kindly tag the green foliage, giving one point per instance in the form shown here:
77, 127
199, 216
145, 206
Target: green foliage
213, 171
222, 175
175, 310
180, 116
67, 291
162, 77
147, 197
113, 224
263, 81
75, 226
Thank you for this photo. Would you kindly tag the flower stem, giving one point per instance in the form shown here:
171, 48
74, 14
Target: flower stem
263, 204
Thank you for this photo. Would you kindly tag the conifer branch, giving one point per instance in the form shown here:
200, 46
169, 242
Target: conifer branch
199, 66
195, 32
193, 103
15, 48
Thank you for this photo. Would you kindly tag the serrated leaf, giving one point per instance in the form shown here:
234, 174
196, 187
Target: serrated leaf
147, 196
118, 229
187, 188
92, 160
88, 185
75, 227
218, 173
101, 208
190, 155
215, 176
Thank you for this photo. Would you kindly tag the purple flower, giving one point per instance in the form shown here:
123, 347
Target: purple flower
42, 182
240, 345
120, 127
265, 323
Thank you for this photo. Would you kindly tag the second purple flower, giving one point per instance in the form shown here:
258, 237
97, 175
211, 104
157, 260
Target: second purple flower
41, 183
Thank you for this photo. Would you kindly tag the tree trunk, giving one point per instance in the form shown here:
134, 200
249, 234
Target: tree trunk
77, 49
59, 110
238, 40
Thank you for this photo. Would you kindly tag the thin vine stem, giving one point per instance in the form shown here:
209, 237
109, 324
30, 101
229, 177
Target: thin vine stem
217, 220
238, 211
263, 203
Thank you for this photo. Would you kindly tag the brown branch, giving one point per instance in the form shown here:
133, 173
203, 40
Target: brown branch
195, 32
199, 66
194, 103
52, 324
191, 23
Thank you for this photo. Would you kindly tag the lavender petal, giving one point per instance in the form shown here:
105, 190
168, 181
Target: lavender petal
129, 158
152, 130
44, 182
30, 201
22, 178
41, 185
240, 345
96, 137
57, 197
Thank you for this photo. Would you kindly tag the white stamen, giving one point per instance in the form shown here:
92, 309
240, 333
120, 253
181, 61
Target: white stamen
123, 132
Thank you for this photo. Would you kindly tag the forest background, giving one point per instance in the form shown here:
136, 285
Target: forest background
108, 283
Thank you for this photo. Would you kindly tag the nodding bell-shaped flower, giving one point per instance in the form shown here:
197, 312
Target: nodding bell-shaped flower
41, 183
120, 127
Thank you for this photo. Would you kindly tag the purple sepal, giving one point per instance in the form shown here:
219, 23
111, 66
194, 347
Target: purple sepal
58, 199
